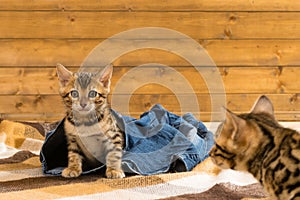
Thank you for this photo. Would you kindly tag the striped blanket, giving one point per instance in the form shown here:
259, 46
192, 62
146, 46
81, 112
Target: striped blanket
21, 177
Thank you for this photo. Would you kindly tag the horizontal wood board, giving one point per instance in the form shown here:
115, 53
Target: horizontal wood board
253, 46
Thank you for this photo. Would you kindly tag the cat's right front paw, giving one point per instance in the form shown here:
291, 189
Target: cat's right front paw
71, 172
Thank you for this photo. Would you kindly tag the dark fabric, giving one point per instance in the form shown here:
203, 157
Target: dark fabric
55, 152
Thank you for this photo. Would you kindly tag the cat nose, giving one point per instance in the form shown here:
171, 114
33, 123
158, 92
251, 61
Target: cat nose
83, 105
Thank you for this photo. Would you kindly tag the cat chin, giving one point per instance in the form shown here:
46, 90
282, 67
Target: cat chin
223, 166
83, 111
219, 163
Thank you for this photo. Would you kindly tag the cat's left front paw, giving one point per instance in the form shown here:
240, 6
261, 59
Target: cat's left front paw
71, 172
114, 173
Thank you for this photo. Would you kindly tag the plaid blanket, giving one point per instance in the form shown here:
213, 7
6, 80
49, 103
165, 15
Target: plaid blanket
21, 177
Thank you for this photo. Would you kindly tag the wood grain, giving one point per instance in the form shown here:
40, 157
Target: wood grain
48, 52
254, 47
160, 80
154, 5
50, 107
198, 25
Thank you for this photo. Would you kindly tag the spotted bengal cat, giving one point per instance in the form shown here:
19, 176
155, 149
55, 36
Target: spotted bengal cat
257, 143
88, 113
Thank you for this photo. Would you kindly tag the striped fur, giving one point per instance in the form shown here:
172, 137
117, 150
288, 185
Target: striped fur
255, 142
88, 113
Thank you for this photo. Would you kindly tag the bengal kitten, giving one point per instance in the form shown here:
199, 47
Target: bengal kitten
87, 111
256, 143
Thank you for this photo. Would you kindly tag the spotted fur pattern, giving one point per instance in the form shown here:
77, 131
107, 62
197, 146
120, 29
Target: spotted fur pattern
257, 143
88, 112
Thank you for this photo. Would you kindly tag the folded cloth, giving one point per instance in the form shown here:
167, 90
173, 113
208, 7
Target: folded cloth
153, 144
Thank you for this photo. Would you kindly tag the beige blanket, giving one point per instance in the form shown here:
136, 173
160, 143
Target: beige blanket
21, 176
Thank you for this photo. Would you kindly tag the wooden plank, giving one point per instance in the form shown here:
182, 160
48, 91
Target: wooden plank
240, 103
31, 107
32, 81
31, 104
198, 25
205, 117
154, 5
48, 52
45, 117
35, 52
161, 80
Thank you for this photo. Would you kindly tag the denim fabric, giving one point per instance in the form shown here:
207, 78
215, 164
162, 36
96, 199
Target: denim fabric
153, 142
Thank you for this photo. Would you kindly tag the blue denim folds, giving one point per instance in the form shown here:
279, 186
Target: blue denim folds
153, 144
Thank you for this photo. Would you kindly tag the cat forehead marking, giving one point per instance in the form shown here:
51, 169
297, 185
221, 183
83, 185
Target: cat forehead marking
84, 79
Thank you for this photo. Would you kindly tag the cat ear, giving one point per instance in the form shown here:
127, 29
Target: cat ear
234, 124
63, 74
263, 105
105, 75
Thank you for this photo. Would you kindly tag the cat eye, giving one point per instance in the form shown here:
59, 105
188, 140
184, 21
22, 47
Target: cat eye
92, 94
74, 94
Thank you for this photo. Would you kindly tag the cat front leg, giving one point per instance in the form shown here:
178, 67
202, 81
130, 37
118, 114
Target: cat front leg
113, 164
74, 168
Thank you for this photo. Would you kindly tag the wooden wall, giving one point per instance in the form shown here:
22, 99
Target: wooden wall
255, 45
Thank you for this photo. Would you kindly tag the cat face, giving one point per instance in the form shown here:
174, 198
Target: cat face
83, 92
239, 136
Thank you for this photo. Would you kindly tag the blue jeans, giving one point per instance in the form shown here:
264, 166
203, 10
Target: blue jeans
152, 143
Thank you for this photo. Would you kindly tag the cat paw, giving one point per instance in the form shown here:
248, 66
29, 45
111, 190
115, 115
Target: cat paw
114, 173
71, 172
